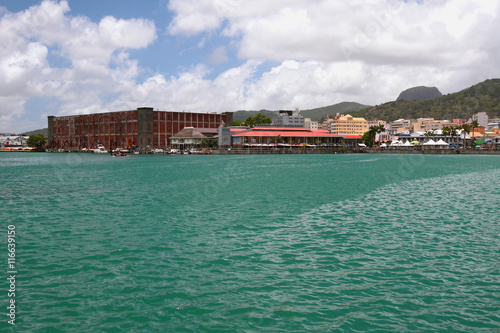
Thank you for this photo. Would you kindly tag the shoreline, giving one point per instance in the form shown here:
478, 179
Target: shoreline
353, 151
306, 151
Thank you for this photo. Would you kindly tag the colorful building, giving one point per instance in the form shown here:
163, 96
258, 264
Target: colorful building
139, 128
348, 125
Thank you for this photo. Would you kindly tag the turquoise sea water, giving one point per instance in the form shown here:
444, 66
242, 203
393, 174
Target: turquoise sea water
293, 243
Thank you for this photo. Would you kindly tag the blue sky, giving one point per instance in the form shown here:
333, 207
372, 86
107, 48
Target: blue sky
75, 57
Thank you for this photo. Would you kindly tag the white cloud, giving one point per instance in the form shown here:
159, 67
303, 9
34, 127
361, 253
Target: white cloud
97, 52
218, 56
451, 40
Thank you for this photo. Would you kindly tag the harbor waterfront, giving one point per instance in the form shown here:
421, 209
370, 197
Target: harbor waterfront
257, 243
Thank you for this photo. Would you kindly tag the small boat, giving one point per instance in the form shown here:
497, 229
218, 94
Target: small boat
119, 152
100, 150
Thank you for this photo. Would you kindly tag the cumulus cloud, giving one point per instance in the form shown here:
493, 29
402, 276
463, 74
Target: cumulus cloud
97, 52
452, 41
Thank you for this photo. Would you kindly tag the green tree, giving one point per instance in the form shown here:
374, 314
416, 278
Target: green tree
368, 138
204, 143
446, 130
209, 143
238, 123
214, 143
37, 141
258, 119
430, 133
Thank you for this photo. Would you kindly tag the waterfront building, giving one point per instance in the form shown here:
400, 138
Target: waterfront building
347, 124
325, 126
481, 118
187, 138
312, 125
425, 125
12, 140
291, 136
290, 118
493, 123
140, 128
401, 125
376, 122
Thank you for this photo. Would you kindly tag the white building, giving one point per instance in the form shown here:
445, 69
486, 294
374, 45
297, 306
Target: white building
290, 118
312, 125
13, 140
481, 118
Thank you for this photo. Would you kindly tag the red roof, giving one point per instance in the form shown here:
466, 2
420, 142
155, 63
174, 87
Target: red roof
291, 134
264, 131
283, 129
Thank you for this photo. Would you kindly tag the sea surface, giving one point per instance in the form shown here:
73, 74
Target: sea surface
261, 243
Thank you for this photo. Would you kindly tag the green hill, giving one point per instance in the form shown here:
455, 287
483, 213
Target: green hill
314, 114
42, 131
482, 97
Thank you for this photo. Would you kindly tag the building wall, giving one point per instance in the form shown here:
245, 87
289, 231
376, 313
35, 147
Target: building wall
482, 118
285, 120
436, 125
348, 125
312, 125
126, 129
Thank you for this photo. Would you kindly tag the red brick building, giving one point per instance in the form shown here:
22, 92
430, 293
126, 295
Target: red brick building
126, 129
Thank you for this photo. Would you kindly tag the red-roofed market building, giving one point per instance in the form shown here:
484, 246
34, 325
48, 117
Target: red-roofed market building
290, 136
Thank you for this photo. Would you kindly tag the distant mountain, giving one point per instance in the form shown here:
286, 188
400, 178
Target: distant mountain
42, 131
419, 94
314, 114
482, 97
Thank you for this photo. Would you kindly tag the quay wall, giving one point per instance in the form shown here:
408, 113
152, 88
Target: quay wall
351, 151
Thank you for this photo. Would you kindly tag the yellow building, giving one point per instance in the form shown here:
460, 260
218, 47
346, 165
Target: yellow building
348, 125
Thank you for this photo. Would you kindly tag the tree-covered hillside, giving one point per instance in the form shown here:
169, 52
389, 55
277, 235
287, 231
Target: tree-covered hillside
482, 97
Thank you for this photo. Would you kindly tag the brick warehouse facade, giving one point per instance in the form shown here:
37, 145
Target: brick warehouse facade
126, 129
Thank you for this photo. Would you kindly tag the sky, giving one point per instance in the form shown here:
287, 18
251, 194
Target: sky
76, 57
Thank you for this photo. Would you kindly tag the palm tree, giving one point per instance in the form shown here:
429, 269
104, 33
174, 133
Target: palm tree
465, 129
474, 125
446, 130
453, 132
430, 133
372, 132
380, 129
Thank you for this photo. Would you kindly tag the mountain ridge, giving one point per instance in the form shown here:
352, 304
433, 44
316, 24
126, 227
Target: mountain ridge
481, 97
